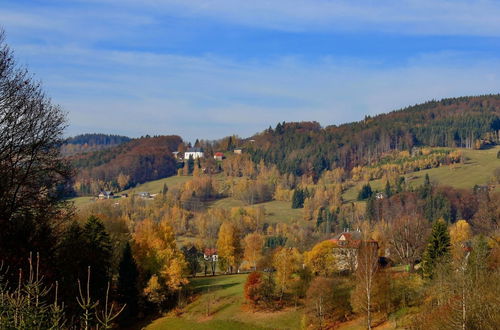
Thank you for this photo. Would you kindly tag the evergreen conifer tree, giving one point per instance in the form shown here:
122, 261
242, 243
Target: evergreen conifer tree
298, 198
438, 248
388, 190
127, 290
98, 254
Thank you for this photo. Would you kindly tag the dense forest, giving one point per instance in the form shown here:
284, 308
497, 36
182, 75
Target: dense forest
122, 166
306, 147
91, 142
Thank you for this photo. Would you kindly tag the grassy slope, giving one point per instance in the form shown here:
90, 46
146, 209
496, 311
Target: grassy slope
477, 169
152, 187
227, 310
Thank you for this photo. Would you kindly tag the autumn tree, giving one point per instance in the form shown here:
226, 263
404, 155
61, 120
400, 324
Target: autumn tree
254, 243
286, 261
327, 301
162, 264
228, 247
321, 259
460, 233
366, 275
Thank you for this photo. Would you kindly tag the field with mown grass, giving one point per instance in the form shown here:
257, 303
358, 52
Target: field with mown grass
477, 169
219, 304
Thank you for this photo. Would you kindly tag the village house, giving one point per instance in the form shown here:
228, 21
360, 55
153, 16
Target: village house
106, 195
210, 254
219, 156
346, 249
238, 151
145, 195
194, 153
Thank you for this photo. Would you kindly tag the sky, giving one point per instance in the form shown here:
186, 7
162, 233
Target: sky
212, 68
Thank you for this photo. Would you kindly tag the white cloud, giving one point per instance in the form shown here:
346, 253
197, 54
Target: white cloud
210, 97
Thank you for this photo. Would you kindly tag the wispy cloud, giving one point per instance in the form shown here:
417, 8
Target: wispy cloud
160, 67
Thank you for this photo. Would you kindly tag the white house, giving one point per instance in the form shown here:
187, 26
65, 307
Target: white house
194, 153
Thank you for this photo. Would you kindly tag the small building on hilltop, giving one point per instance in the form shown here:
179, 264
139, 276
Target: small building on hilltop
106, 195
218, 156
194, 153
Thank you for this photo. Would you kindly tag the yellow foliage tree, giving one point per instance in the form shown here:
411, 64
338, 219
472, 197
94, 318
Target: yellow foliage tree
321, 259
460, 232
254, 243
228, 247
157, 254
286, 261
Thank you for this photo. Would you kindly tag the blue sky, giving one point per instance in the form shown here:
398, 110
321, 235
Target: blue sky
208, 69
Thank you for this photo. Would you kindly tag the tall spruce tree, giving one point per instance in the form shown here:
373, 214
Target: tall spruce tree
438, 248
298, 198
127, 290
98, 255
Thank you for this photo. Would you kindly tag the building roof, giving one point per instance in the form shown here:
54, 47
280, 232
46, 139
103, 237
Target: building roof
219, 154
210, 251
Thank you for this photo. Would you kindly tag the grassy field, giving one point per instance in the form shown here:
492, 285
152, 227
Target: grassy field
477, 169
156, 186
223, 295
152, 187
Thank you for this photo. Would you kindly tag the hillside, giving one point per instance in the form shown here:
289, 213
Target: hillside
222, 298
477, 169
307, 148
123, 166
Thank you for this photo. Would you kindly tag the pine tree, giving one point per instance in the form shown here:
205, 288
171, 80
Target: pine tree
97, 253
388, 190
365, 192
127, 290
190, 164
438, 248
298, 199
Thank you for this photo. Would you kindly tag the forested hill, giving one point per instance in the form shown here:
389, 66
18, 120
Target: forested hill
306, 147
122, 166
91, 142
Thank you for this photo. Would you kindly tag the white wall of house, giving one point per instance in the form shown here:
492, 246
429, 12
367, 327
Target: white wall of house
195, 154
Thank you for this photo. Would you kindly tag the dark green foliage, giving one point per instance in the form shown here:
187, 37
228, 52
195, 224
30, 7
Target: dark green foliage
388, 190
365, 192
426, 189
127, 289
298, 198
164, 190
190, 164
97, 139
193, 257
98, 253
437, 206
438, 248
498, 154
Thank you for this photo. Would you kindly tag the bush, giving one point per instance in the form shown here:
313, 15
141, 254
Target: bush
365, 192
